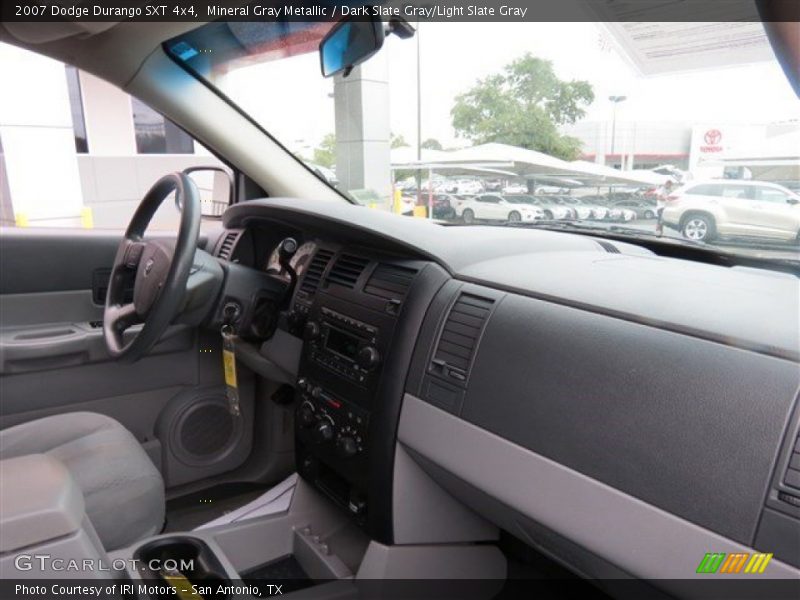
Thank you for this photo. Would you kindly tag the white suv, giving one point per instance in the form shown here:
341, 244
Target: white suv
702, 211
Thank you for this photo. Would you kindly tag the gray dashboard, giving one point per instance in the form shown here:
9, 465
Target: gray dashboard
618, 279
673, 383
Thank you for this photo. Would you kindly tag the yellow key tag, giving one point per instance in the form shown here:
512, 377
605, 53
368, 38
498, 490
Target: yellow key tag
229, 364
229, 367
182, 586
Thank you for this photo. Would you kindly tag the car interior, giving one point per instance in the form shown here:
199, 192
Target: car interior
410, 388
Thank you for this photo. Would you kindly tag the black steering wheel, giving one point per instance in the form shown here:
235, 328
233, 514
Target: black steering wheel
159, 271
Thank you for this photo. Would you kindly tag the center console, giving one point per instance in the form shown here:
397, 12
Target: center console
360, 318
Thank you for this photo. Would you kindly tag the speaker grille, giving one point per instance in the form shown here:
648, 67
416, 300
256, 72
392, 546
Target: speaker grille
206, 430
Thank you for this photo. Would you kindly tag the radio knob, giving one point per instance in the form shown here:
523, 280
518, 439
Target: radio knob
323, 432
311, 331
368, 358
306, 414
346, 446
316, 392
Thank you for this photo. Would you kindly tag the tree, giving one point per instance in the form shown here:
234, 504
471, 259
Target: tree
397, 140
431, 144
325, 153
523, 106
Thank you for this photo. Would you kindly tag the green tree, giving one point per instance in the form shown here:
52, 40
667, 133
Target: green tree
523, 106
325, 153
397, 140
431, 144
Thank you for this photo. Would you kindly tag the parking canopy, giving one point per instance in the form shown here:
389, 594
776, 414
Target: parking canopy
597, 174
442, 162
512, 161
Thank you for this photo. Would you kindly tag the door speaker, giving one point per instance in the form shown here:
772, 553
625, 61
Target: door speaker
203, 431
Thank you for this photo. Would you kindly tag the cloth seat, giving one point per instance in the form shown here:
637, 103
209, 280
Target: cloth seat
122, 489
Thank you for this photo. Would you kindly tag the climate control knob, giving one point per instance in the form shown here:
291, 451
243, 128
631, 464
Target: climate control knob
346, 446
311, 331
368, 358
323, 431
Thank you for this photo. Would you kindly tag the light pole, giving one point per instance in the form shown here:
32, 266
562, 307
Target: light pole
615, 100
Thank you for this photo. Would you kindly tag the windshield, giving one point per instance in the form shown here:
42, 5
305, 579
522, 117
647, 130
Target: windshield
689, 144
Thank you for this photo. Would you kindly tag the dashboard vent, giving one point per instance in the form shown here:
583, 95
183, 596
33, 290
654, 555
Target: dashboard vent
460, 335
390, 282
608, 247
346, 270
792, 476
314, 271
227, 244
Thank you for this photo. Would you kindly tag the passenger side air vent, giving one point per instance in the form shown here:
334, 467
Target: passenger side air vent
792, 476
314, 272
390, 282
346, 270
460, 335
227, 244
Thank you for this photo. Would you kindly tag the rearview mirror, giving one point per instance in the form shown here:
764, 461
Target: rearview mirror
215, 185
350, 43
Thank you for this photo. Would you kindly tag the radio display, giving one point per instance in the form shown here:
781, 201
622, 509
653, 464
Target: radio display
341, 343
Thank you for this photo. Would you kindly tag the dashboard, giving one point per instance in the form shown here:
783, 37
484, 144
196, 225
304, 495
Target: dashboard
561, 386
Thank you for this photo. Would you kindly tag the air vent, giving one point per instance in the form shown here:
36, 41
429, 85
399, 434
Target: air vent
346, 270
226, 246
460, 335
314, 272
608, 247
390, 282
792, 476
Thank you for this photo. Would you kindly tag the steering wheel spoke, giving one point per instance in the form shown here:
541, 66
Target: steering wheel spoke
131, 254
159, 274
122, 317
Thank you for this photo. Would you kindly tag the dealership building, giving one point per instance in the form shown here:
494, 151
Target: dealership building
704, 149
75, 149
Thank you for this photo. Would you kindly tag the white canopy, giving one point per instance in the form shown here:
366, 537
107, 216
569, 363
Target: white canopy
512, 161
601, 174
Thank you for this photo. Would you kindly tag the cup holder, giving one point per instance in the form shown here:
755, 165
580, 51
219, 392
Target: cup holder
170, 560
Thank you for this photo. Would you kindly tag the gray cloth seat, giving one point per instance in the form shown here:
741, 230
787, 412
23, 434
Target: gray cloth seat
122, 489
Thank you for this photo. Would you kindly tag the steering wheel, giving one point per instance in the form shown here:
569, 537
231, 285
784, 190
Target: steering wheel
159, 271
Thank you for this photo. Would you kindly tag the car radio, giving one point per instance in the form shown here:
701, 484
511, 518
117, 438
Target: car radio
343, 345
339, 375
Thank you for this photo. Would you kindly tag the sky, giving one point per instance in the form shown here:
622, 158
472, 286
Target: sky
291, 99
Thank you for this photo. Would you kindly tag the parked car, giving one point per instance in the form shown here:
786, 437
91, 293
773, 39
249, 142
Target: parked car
493, 207
620, 214
642, 208
468, 186
515, 188
444, 206
702, 211
551, 207
587, 208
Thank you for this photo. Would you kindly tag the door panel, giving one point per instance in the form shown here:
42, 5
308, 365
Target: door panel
53, 358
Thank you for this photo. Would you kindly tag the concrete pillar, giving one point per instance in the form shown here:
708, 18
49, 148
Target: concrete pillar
361, 102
